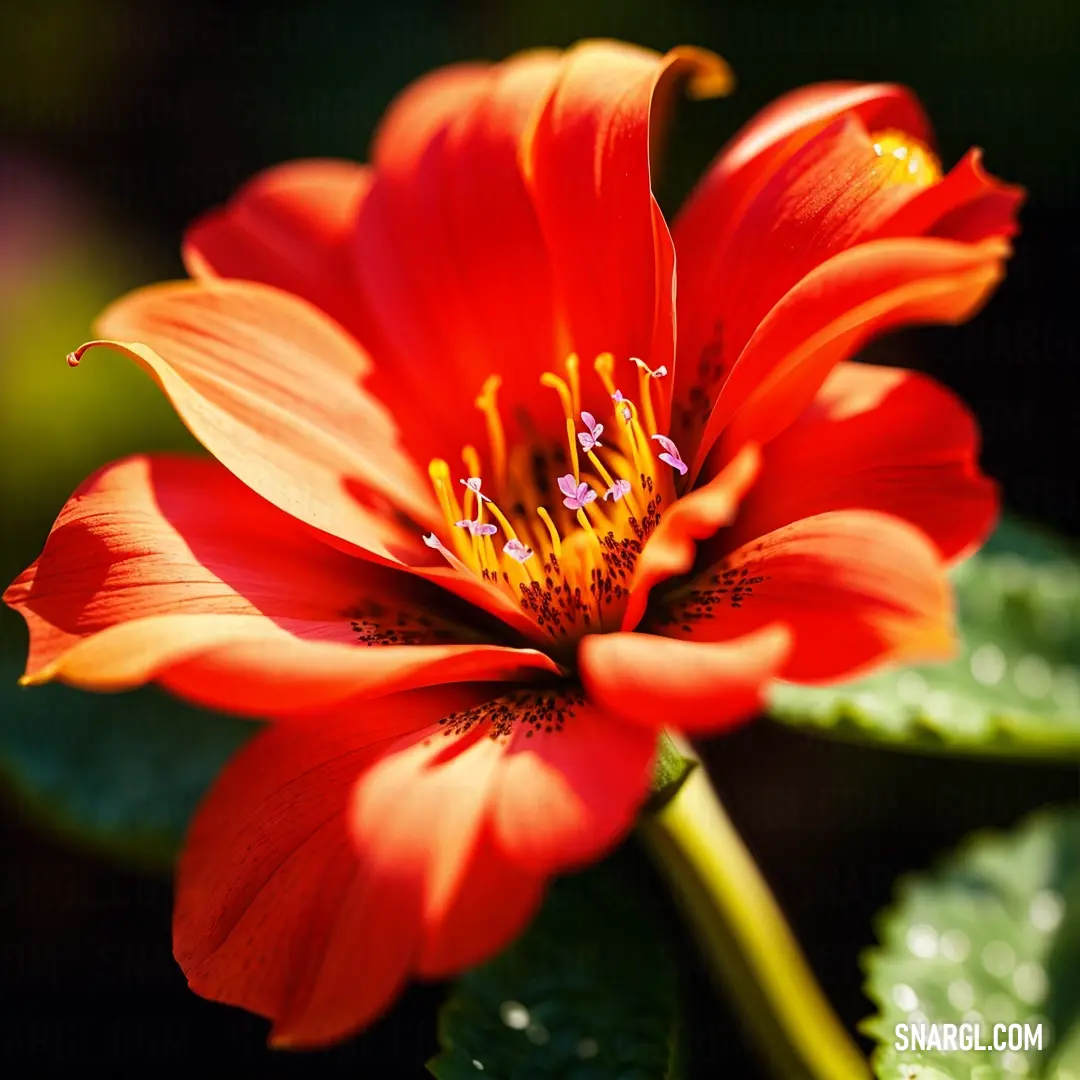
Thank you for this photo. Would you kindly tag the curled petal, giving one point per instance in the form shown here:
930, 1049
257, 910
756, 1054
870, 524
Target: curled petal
836, 309
273, 389
969, 204
856, 588
694, 686
876, 438
169, 569
790, 205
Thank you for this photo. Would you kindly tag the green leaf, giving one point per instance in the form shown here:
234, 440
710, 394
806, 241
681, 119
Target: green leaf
120, 772
1014, 688
588, 993
991, 936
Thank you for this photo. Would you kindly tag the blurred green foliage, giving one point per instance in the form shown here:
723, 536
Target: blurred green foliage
56, 424
587, 993
1013, 688
120, 773
990, 936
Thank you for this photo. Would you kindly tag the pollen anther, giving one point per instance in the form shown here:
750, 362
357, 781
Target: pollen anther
570, 565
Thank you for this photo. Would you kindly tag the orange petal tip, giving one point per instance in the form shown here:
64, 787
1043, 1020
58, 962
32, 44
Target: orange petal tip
74, 358
709, 74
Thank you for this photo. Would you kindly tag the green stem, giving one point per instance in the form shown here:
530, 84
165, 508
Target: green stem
747, 941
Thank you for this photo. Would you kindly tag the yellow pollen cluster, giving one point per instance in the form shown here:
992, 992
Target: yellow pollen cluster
560, 527
908, 160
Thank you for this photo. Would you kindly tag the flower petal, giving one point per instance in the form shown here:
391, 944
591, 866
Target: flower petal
289, 227
821, 192
670, 550
273, 389
449, 256
275, 897
169, 568
767, 139
719, 202
876, 438
689, 685
856, 588
833, 312
587, 160
833, 192
968, 204
332, 860
570, 783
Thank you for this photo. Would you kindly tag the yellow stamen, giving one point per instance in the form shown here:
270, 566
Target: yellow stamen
471, 460
609, 480
588, 551
626, 469
605, 368
508, 531
645, 393
600, 519
553, 382
604, 474
493, 563
573, 374
639, 445
556, 542
584, 522
488, 404
441, 481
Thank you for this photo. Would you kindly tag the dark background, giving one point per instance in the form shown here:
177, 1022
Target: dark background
120, 122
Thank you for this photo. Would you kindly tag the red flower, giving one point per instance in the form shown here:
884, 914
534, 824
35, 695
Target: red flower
470, 667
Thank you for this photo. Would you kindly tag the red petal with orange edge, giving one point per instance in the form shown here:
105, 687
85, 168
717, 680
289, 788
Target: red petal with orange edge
856, 589
169, 568
832, 193
968, 204
876, 438
273, 895
718, 202
833, 312
289, 227
273, 389
588, 165
689, 685
331, 861
450, 258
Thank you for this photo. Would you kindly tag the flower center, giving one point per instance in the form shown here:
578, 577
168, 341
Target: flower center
907, 159
559, 530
